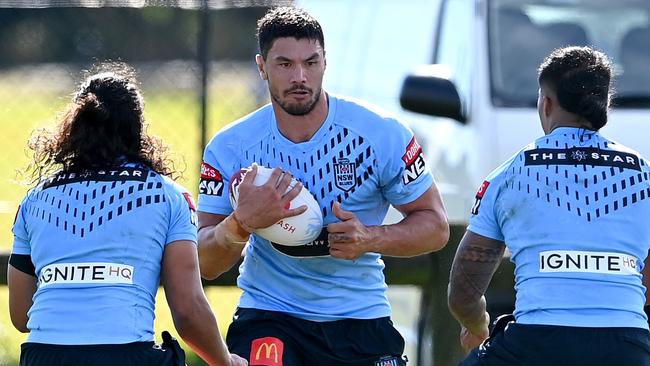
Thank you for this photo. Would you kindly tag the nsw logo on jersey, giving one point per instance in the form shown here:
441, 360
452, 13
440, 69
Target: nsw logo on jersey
344, 174
479, 197
211, 182
414, 161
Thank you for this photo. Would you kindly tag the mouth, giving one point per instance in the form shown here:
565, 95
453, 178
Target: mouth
299, 92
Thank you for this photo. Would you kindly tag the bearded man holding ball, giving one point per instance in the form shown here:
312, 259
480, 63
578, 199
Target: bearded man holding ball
320, 302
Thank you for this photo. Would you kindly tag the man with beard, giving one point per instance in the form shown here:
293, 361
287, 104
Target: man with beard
323, 303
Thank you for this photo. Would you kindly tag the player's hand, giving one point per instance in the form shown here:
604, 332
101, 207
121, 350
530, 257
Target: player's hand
472, 339
237, 361
349, 238
263, 206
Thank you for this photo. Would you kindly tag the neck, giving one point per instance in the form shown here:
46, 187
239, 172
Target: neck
566, 119
301, 128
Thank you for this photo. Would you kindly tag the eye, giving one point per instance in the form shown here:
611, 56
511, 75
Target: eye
284, 64
312, 63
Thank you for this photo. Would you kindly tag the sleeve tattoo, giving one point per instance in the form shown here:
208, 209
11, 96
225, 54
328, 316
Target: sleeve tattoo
476, 260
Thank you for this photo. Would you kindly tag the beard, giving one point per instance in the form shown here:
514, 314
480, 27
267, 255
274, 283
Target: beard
297, 109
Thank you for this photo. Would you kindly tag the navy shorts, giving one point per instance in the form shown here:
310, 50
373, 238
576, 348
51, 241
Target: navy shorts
130, 354
272, 338
549, 345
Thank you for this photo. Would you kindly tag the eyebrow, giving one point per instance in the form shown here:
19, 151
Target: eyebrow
315, 55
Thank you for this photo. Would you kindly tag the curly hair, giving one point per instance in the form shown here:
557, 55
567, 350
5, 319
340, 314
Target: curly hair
103, 127
581, 77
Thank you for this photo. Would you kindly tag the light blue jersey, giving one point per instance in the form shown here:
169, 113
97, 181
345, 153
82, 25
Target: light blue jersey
96, 239
573, 210
359, 157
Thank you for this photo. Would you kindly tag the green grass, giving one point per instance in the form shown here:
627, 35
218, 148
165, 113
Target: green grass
222, 299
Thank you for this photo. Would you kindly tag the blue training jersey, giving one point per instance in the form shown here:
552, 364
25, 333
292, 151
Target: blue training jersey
359, 157
572, 209
96, 239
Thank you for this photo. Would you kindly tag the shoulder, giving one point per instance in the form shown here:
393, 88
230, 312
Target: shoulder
509, 165
364, 116
243, 129
170, 185
615, 146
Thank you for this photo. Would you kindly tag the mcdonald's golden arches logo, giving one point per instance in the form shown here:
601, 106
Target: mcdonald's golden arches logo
266, 351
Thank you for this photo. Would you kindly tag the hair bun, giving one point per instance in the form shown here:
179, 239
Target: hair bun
92, 109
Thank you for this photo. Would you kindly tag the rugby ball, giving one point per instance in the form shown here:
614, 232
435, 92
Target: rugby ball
292, 231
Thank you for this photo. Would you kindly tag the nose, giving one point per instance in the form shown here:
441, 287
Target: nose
299, 75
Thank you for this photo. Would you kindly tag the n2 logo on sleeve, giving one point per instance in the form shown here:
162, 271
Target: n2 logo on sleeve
211, 182
414, 160
479, 197
192, 206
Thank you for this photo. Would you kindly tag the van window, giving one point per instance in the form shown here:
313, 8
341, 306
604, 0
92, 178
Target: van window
522, 33
454, 46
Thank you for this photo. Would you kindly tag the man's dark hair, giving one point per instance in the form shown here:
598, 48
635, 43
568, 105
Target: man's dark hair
581, 78
287, 22
102, 128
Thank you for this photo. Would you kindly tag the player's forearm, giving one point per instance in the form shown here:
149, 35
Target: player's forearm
470, 314
220, 247
198, 328
476, 260
419, 233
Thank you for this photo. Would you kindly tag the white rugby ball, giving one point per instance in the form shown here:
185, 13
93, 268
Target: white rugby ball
292, 231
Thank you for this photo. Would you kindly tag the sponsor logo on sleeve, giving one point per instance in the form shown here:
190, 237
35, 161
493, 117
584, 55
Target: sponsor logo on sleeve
266, 351
479, 197
588, 262
345, 174
414, 161
91, 273
192, 207
211, 182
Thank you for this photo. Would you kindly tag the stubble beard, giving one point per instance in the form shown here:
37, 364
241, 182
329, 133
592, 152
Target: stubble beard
298, 109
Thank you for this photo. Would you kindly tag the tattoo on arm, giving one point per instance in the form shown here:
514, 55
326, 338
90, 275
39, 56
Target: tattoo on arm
476, 260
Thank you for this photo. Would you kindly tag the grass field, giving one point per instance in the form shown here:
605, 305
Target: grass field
222, 299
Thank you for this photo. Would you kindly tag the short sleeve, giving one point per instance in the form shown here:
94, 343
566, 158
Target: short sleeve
182, 223
484, 219
21, 236
404, 175
215, 178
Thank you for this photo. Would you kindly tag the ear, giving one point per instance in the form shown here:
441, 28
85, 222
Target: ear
547, 106
261, 66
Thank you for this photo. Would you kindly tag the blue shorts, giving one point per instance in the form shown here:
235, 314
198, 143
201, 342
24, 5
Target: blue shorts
130, 354
544, 345
272, 338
